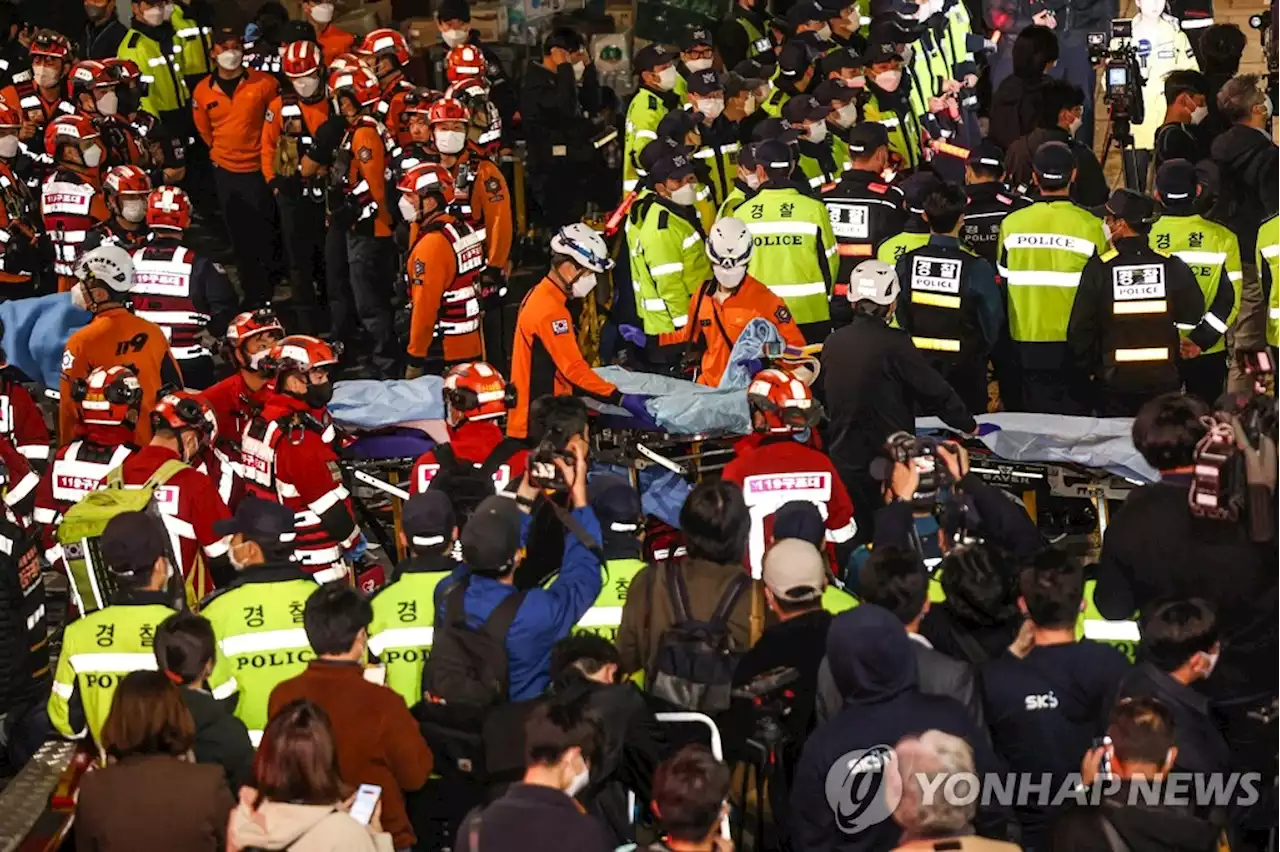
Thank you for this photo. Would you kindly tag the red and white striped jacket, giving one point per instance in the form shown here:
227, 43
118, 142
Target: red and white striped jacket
21, 421
77, 469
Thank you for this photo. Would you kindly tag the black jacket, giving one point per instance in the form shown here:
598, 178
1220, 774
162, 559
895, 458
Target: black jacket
1249, 171
883, 382
25, 676
991, 514
1142, 827
1201, 747
800, 643
965, 639
102, 42
532, 819
1089, 189
551, 114
1014, 108
221, 738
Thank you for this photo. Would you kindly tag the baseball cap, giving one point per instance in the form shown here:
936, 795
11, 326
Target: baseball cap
651, 56
800, 519
132, 542
454, 10
774, 155
803, 12
428, 519
840, 59
804, 108
834, 90
1053, 163
657, 149
795, 571
1176, 182
793, 59
676, 123
775, 128
226, 32
918, 187
706, 82
756, 69
986, 153
1131, 206
880, 52
747, 156
261, 521
868, 136
693, 37
735, 84
492, 535
672, 167
616, 503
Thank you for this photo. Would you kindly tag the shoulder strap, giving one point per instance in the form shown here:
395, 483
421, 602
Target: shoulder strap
678, 592
729, 600
164, 473
1115, 843
579, 532
499, 620
115, 478
454, 613
447, 458
500, 455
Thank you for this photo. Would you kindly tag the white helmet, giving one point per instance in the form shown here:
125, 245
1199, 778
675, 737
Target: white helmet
729, 244
873, 281
109, 265
583, 245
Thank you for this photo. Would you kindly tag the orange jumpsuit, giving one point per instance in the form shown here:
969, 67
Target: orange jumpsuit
232, 126
489, 205
368, 162
334, 41
719, 324
432, 270
391, 110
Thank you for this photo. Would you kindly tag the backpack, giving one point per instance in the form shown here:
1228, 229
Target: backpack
92, 586
467, 484
693, 669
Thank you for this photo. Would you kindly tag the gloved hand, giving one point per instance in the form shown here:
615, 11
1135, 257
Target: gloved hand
753, 366
633, 334
634, 403
413, 371
359, 549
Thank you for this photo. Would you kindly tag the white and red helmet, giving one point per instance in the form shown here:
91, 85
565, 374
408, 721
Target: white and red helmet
301, 58
358, 83
126, 180
448, 109
476, 391
108, 396
182, 410
345, 62
50, 43
386, 42
251, 324
301, 353
427, 179
69, 129
785, 403
465, 62
169, 207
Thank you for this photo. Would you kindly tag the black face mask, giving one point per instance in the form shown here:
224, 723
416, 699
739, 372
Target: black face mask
128, 101
318, 396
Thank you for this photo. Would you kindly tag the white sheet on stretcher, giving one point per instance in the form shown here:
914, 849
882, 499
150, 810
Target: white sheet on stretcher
1095, 442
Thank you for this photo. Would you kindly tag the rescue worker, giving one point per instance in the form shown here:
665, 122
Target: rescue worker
257, 617
237, 399
42, 96
796, 253
990, 201
467, 71
293, 118
1123, 330
890, 105
93, 94
103, 31
164, 149
818, 164
184, 293
99, 649
1043, 249
332, 40
747, 33
24, 642
545, 357
1268, 261
114, 337
617, 507
21, 421
1213, 253
401, 633
655, 66
20, 223
442, 270
453, 17
229, 108
286, 459
388, 54
71, 201
951, 305
421, 149
125, 190
724, 304
108, 401
781, 466
155, 49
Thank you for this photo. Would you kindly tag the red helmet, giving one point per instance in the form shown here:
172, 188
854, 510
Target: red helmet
108, 396
126, 180
50, 43
359, 84
300, 57
427, 179
9, 115
250, 324
785, 403
419, 101
345, 62
169, 207
477, 391
465, 62
448, 109
181, 410
386, 42
88, 75
299, 353
69, 129
124, 70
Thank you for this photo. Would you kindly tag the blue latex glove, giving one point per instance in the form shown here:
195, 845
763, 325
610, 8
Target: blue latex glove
633, 334
358, 549
987, 428
753, 365
634, 403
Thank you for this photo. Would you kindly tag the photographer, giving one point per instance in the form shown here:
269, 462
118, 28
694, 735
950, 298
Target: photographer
1062, 107
980, 616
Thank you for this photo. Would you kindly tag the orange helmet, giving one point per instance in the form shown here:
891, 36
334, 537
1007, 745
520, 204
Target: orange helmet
448, 109
427, 179
169, 207
299, 353
126, 72
477, 391
88, 75
345, 62
465, 62
386, 42
785, 403
300, 57
359, 84
126, 180
69, 129
9, 115
50, 43
419, 101
181, 410
250, 324
108, 396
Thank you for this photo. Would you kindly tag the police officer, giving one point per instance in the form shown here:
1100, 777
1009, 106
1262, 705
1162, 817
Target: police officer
165, 148
889, 103
697, 53
794, 75
989, 201
102, 647
257, 618
617, 507
1123, 330
153, 46
656, 69
795, 251
1213, 253
915, 231
400, 634
818, 163
1268, 261
1043, 250
865, 209
747, 33
193, 22
842, 99
951, 305
718, 147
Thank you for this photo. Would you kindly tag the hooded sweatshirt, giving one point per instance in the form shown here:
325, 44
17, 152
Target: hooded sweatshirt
309, 828
1248, 164
1155, 827
875, 670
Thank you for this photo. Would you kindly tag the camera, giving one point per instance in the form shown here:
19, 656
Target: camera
554, 421
543, 471
1122, 80
921, 453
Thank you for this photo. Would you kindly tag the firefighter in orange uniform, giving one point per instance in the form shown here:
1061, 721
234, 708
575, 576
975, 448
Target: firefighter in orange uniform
417, 118
237, 399
545, 358
71, 201
333, 40
126, 189
388, 53
442, 268
20, 224
41, 96
114, 337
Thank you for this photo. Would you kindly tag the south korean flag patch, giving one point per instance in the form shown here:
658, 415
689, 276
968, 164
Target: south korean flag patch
560, 326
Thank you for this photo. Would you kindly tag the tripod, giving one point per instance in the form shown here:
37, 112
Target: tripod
1134, 163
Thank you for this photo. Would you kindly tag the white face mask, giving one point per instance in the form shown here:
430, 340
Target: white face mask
408, 210
579, 69
8, 147
79, 298
453, 38
579, 782
584, 285
153, 16
44, 76
133, 209
729, 279
685, 195
817, 131
710, 109
255, 360
667, 78
696, 65
1075, 124
1106, 232
307, 86
824, 33
92, 157
1213, 662
889, 80
845, 116
752, 181
108, 104
1198, 114
450, 141
230, 60
749, 105
322, 13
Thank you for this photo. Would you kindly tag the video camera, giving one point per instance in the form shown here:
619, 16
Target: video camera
1262, 23
921, 453
1122, 83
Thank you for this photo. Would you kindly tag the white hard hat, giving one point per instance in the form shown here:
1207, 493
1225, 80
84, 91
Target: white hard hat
583, 245
729, 243
873, 281
109, 265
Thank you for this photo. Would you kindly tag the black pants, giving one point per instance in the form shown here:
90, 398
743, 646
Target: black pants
302, 232
247, 209
969, 379
867, 495
1048, 392
364, 293
1206, 376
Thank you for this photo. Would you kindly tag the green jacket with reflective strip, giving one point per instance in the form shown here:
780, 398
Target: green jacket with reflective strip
902, 127
644, 113
825, 162
257, 622
1268, 261
98, 650
795, 252
165, 75
1213, 253
896, 247
402, 630
605, 614
668, 265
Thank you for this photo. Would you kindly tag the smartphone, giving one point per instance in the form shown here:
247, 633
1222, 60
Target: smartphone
366, 800
1104, 765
